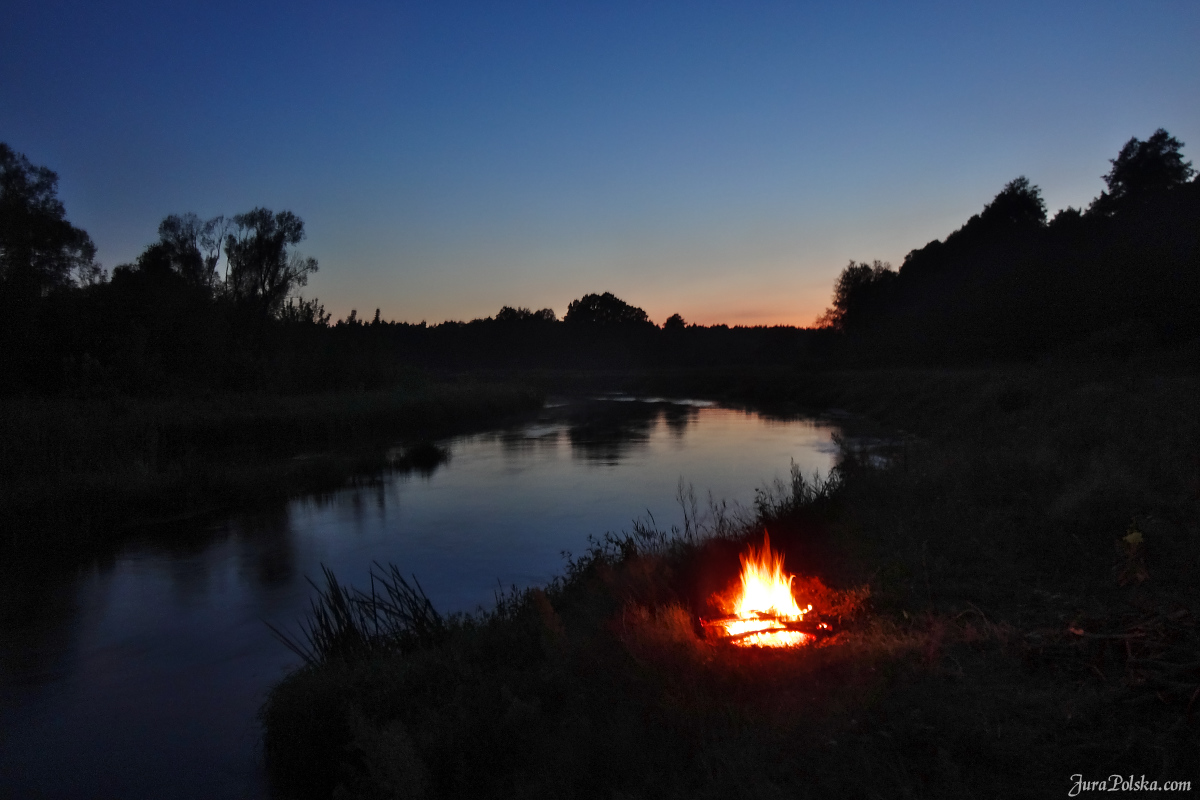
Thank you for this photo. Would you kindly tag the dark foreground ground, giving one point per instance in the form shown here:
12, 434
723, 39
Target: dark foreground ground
1012, 585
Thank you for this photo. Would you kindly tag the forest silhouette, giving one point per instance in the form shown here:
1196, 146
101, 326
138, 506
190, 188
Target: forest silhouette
1121, 276
1009, 285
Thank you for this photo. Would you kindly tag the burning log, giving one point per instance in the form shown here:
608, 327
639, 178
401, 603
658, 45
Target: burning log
719, 626
753, 615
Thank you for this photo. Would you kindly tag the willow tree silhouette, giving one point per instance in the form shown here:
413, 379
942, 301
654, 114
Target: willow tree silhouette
263, 271
192, 246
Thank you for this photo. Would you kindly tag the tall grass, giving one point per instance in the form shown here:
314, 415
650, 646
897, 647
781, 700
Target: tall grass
349, 624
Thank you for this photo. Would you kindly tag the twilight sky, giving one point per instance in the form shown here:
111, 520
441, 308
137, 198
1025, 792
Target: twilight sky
720, 160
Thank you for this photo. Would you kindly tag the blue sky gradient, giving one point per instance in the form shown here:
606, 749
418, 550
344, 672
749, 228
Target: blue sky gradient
720, 160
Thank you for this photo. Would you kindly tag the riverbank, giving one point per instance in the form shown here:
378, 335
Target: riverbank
1029, 551
79, 474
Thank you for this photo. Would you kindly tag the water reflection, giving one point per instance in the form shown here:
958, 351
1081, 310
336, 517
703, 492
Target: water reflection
140, 676
610, 430
603, 431
678, 418
539, 436
265, 548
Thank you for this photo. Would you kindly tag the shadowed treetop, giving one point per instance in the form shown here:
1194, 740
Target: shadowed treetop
605, 309
508, 314
1019, 204
1141, 170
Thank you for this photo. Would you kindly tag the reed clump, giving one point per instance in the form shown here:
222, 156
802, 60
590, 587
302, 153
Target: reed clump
349, 624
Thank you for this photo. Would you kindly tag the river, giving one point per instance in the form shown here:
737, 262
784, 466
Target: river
140, 676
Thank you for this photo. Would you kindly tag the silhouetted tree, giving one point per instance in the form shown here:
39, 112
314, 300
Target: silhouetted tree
604, 309
858, 296
674, 323
193, 246
1018, 205
39, 249
1141, 170
263, 272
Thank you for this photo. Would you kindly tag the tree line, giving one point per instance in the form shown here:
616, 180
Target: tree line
1010, 284
214, 304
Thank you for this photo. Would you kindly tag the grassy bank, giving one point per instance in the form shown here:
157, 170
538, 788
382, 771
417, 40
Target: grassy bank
1029, 550
77, 473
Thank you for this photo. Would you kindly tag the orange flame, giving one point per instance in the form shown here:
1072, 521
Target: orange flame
765, 606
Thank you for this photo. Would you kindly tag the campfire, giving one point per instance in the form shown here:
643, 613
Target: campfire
762, 610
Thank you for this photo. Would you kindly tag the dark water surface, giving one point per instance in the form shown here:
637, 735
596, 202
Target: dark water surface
141, 677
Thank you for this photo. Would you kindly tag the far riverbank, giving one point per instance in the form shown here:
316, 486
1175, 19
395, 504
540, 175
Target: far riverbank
80, 473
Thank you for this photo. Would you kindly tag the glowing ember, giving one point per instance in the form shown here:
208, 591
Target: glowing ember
765, 609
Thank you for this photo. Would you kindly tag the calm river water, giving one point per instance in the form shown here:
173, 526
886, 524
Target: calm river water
140, 677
